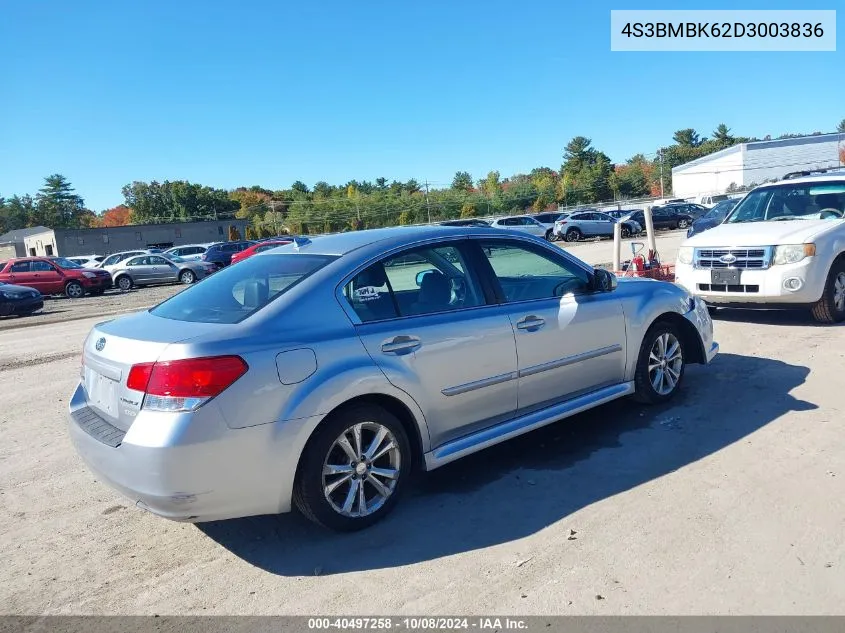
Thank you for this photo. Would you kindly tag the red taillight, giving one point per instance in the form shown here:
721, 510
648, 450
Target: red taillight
189, 378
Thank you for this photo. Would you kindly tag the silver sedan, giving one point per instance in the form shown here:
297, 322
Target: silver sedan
149, 269
319, 374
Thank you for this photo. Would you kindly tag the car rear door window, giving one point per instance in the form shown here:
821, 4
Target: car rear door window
20, 267
412, 283
526, 273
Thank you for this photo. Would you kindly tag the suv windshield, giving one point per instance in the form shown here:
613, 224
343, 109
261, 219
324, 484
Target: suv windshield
240, 291
800, 201
61, 262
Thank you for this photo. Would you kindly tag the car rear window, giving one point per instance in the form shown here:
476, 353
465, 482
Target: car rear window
237, 292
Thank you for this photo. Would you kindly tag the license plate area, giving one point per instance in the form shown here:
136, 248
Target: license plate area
725, 277
102, 392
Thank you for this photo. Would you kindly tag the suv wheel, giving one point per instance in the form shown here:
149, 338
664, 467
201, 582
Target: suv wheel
831, 307
74, 290
661, 364
354, 469
573, 235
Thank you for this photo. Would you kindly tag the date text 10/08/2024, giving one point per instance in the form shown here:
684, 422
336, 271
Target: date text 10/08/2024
724, 29
417, 623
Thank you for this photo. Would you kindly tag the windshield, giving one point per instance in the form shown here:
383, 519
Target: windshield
801, 201
239, 291
61, 262
720, 210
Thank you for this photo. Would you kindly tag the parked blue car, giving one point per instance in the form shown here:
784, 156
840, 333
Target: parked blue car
714, 217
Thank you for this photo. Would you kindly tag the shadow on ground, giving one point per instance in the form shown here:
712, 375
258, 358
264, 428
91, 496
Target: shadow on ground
790, 318
520, 487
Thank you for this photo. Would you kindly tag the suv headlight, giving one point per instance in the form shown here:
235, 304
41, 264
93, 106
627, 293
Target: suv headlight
685, 254
89, 275
793, 253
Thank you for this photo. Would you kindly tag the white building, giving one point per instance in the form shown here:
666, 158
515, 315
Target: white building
754, 163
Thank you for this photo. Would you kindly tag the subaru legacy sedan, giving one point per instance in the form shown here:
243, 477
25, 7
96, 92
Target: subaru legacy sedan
319, 374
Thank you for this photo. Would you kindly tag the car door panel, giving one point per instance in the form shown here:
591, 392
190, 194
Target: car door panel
48, 280
567, 345
20, 274
458, 361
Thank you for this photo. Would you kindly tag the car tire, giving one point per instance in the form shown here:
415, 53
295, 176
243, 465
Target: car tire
626, 232
682, 224
340, 508
573, 235
660, 366
187, 277
831, 307
550, 236
124, 283
74, 290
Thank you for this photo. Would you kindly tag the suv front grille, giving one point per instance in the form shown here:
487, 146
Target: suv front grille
757, 258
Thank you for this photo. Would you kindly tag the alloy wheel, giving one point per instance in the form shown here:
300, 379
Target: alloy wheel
839, 292
361, 469
665, 361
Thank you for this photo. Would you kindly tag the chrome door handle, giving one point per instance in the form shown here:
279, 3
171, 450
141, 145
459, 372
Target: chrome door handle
530, 322
401, 345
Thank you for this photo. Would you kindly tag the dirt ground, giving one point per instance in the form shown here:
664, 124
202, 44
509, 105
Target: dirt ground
728, 500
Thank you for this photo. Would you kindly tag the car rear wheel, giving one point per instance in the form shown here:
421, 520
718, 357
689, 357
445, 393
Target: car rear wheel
660, 365
74, 290
187, 277
124, 283
354, 469
626, 232
831, 307
573, 235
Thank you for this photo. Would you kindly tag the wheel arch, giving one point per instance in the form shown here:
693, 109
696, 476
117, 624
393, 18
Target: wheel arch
690, 338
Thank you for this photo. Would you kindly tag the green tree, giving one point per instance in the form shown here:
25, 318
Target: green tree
462, 181
299, 187
841, 127
722, 133
687, 137
58, 204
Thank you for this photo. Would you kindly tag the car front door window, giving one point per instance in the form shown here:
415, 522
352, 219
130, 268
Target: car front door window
527, 274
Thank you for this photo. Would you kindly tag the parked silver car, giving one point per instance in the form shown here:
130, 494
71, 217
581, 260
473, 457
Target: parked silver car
145, 270
188, 252
521, 223
320, 373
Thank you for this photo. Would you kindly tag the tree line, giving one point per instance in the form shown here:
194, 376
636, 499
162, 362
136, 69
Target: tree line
586, 176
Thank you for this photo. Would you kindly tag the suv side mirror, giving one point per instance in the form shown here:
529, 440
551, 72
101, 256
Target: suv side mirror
604, 280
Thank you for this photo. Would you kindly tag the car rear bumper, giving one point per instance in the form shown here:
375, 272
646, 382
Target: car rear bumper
191, 466
758, 288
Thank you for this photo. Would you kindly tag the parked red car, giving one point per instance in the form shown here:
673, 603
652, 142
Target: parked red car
55, 275
257, 248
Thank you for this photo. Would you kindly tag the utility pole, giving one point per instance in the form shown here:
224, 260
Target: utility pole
427, 204
660, 153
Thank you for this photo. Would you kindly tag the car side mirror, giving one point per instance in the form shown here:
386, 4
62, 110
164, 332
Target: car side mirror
604, 280
421, 274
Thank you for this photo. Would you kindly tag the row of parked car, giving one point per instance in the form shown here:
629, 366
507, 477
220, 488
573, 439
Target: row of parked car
25, 281
577, 225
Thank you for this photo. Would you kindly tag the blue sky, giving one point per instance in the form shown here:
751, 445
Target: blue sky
262, 92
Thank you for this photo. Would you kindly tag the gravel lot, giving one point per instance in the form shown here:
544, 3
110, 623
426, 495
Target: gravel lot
729, 500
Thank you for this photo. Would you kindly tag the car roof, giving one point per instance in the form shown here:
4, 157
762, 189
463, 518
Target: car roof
383, 239
831, 176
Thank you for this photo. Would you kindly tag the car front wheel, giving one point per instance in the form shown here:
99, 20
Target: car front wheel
831, 307
354, 468
74, 290
187, 277
682, 224
124, 283
660, 365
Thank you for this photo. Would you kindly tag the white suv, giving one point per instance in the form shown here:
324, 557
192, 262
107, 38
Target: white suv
782, 246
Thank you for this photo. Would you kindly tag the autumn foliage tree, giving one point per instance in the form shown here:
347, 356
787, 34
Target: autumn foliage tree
120, 215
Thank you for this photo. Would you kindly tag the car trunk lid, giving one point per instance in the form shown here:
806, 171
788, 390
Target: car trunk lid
113, 347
